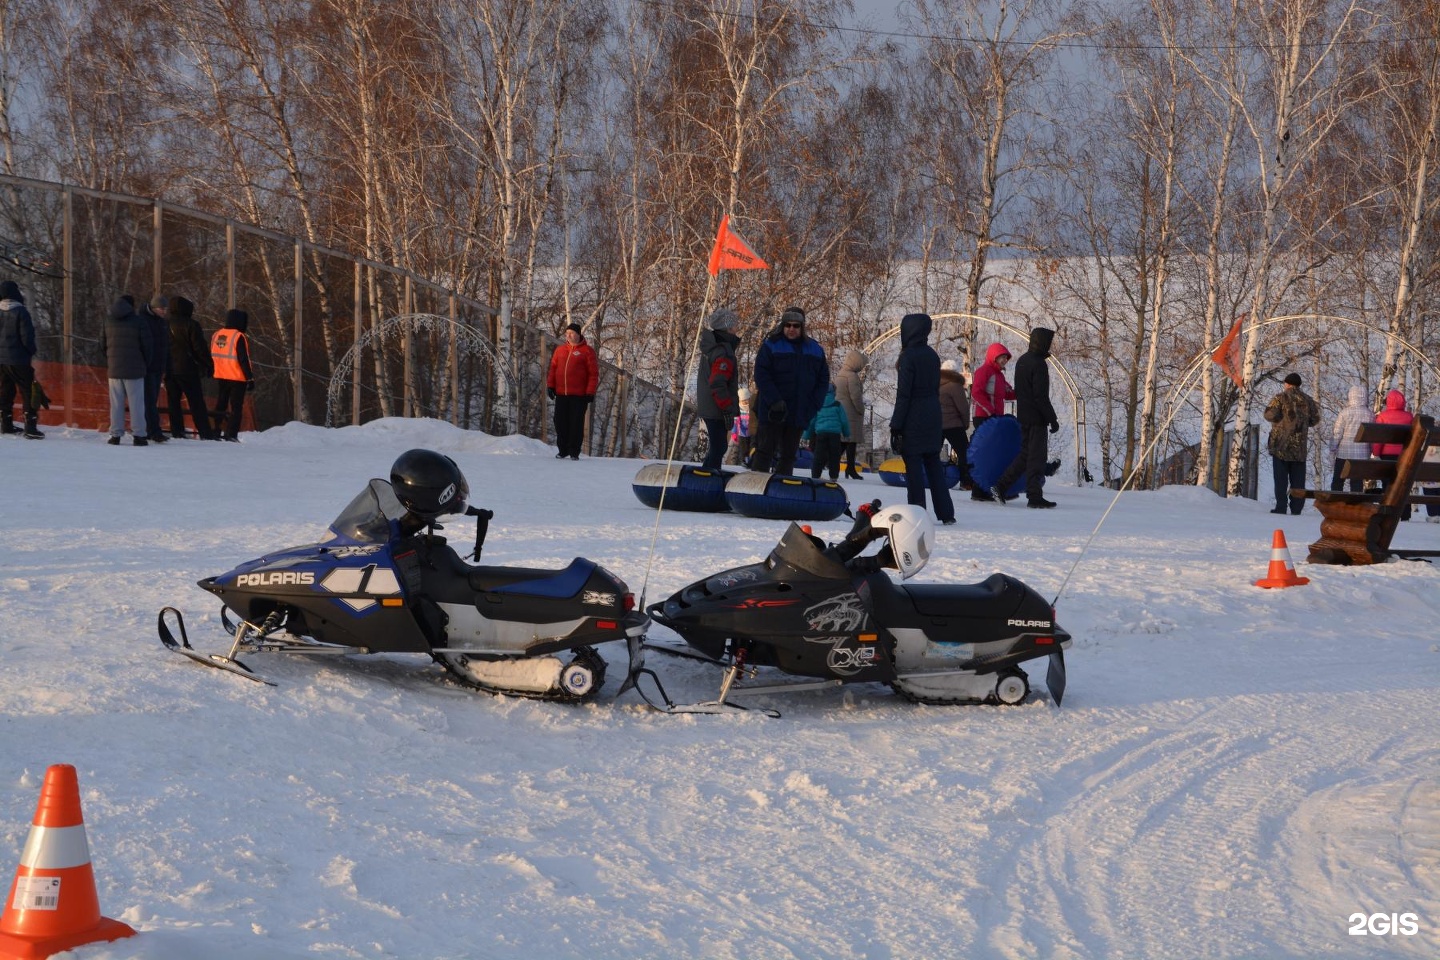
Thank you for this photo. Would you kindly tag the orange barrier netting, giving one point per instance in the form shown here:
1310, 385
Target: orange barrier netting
90, 399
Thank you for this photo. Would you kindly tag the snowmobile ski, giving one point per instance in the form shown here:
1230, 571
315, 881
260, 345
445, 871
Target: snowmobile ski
182, 646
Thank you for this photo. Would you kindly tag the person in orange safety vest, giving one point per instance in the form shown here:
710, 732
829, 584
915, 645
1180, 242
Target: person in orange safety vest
230, 353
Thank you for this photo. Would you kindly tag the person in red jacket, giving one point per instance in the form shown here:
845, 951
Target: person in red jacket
988, 388
574, 376
1394, 413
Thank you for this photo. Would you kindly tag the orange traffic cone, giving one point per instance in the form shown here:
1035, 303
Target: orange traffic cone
52, 906
1282, 571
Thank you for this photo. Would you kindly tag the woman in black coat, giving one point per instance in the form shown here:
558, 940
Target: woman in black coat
915, 426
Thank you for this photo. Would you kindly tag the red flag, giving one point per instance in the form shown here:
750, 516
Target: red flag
733, 253
1227, 354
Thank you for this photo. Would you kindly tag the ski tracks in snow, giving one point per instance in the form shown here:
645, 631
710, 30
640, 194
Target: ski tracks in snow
1168, 842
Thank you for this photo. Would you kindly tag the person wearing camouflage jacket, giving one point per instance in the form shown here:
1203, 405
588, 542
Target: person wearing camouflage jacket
1292, 413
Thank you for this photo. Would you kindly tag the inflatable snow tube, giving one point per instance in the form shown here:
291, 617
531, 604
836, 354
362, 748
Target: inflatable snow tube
785, 498
892, 471
994, 444
687, 487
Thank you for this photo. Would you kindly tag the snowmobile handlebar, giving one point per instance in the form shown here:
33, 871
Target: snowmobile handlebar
861, 534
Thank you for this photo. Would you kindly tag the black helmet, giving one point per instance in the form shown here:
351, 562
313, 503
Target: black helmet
429, 484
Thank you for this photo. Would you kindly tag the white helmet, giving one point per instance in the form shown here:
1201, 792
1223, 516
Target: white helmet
911, 534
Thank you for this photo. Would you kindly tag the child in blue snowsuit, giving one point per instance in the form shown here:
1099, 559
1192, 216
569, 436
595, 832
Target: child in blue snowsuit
828, 426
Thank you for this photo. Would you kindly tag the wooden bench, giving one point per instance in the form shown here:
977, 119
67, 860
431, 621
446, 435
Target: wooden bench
1356, 528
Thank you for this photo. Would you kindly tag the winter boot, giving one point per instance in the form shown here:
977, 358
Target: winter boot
7, 424
32, 428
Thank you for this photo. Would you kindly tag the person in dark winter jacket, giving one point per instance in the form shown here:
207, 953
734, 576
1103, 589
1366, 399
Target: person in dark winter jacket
155, 316
1036, 414
827, 428
189, 362
17, 373
791, 375
128, 345
915, 431
571, 384
850, 391
234, 376
716, 399
1293, 413
955, 416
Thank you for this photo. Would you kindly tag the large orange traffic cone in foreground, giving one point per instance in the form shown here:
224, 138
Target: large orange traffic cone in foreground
52, 906
1282, 571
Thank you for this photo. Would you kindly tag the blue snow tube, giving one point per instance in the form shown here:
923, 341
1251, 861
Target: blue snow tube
686, 487
772, 497
892, 471
995, 444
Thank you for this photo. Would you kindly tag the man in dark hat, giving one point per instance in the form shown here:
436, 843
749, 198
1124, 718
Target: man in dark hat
571, 383
17, 347
792, 374
1293, 413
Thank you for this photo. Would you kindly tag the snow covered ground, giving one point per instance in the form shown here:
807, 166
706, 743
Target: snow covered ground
1236, 772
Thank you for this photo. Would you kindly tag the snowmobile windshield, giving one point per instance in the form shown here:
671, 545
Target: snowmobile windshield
798, 551
367, 518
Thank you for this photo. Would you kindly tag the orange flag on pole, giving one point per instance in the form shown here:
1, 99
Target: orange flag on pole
1227, 354
733, 253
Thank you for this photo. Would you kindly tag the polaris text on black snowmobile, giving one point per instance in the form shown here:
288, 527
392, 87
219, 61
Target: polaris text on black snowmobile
383, 581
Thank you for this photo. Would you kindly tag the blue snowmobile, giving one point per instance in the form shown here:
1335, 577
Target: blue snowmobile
384, 581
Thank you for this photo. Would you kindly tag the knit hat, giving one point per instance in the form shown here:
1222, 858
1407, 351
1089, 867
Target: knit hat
793, 315
950, 365
10, 290
161, 302
722, 319
573, 326
237, 319
744, 394
1293, 379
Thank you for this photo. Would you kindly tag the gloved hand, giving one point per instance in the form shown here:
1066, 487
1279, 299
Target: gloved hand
550, 392
589, 398
729, 422
249, 386
778, 411
1054, 426
896, 440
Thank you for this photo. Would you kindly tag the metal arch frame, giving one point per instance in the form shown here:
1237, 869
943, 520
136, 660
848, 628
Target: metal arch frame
411, 323
1077, 399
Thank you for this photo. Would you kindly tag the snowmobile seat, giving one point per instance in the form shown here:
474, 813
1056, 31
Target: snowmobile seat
972, 600
552, 584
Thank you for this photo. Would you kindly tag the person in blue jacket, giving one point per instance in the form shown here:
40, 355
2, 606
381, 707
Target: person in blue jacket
791, 375
827, 429
915, 426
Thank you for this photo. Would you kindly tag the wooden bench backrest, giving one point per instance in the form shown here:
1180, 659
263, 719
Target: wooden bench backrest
1392, 433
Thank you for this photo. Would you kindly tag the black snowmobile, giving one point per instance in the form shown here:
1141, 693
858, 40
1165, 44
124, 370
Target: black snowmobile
829, 613
383, 581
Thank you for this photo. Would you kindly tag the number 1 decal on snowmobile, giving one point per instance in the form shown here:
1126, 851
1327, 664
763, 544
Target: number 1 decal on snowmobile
832, 615
383, 581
